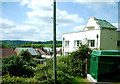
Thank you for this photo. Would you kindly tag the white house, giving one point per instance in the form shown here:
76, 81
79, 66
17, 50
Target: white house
98, 34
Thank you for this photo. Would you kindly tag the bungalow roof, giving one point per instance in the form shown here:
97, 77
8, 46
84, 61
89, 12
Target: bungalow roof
5, 52
31, 50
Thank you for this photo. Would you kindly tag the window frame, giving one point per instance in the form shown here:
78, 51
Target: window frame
118, 43
67, 42
77, 43
91, 43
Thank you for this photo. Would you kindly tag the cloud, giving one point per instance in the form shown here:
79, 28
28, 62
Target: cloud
41, 16
37, 5
67, 19
5, 23
38, 23
78, 28
42, 12
18, 32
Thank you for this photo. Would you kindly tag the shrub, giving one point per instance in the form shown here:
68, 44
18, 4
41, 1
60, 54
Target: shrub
73, 64
26, 55
16, 66
68, 67
7, 79
64, 78
43, 72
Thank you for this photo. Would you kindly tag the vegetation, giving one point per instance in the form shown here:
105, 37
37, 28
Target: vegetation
26, 56
16, 79
4, 46
16, 66
40, 45
70, 68
16, 43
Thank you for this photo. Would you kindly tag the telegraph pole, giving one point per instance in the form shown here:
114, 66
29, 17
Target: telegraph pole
54, 41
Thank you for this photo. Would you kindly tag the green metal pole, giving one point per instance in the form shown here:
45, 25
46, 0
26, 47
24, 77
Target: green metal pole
54, 41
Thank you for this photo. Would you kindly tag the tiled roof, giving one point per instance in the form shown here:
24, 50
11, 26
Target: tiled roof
31, 50
105, 24
4, 52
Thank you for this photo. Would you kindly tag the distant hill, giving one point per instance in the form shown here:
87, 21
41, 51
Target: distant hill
15, 43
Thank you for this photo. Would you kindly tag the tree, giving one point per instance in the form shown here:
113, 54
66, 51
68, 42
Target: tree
75, 63
78, 60
25, 55
4, 46
16, 66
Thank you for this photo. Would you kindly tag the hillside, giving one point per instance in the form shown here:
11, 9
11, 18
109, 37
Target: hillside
15, 43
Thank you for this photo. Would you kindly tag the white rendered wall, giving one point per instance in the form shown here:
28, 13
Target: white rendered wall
83, 36
92, 22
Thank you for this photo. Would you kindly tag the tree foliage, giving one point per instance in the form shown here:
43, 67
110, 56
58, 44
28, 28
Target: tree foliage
73, 64
68, 67
16, 66
26, 55
4, 45
15, 79
16, 43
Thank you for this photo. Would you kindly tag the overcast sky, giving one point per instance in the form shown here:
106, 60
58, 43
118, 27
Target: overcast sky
32, 19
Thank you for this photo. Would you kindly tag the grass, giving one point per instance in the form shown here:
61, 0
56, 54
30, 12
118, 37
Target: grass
80, 80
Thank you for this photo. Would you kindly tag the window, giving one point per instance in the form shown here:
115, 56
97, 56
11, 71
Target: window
66, 53
118, 43
91, 43
66, 43
77, 43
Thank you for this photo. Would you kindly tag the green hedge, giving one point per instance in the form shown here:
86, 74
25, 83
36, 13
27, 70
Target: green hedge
14, 79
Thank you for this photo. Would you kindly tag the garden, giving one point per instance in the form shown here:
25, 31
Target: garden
23, 69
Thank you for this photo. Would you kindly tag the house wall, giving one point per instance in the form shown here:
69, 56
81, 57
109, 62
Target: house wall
109, 39
91, 22
84, 36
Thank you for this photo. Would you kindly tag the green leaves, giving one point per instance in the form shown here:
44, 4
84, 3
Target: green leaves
26, 55
16, 66
69, 68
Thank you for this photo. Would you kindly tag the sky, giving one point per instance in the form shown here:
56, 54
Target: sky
32, 20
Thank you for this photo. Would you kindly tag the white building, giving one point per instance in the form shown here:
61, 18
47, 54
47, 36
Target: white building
98, 34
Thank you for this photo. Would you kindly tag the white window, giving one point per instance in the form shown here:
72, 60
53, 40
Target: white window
91, 43
66, 53
77, 43
118, 43
66, 43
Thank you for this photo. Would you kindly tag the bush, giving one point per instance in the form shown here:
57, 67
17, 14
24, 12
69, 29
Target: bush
73, 64
64, 78
26, 55
14, 79
16, 66
63, 64
43, 72
69, 68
